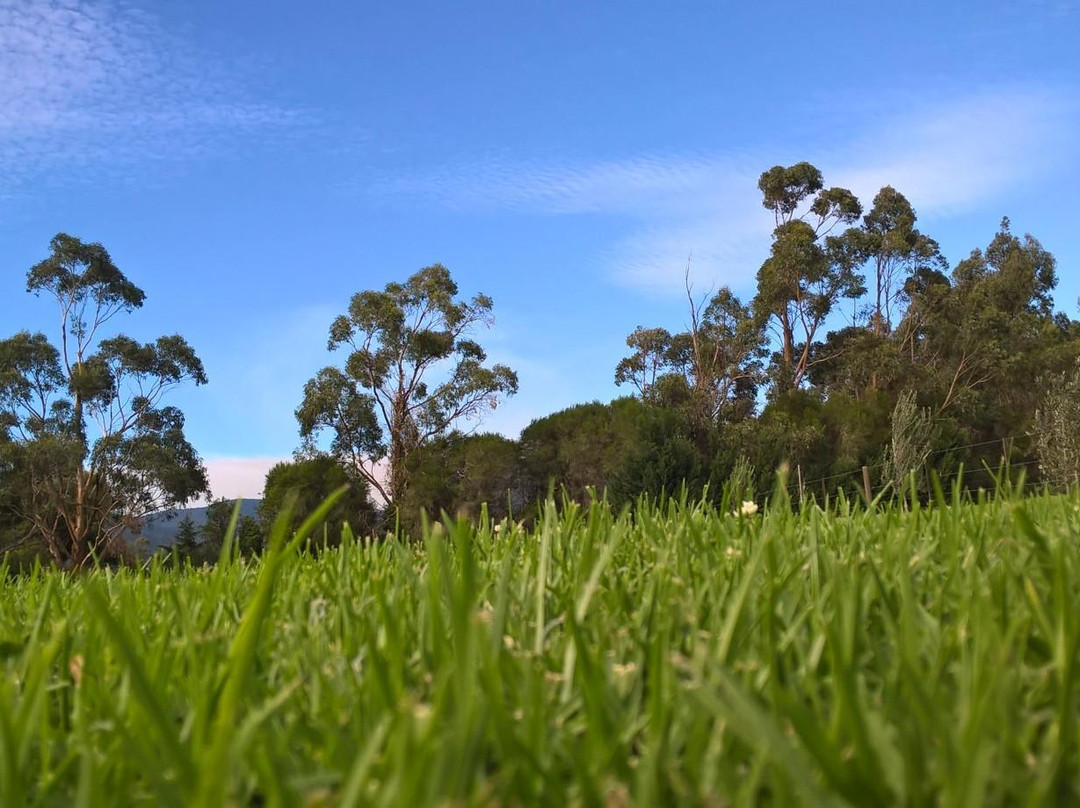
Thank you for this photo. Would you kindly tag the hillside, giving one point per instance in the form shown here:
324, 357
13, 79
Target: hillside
160, 529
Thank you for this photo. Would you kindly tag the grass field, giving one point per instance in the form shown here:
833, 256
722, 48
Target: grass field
681, 657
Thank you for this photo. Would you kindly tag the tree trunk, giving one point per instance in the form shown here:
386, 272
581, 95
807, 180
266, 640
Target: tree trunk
879, 323
787, 350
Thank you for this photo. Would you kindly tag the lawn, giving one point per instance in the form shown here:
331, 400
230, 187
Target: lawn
678, 656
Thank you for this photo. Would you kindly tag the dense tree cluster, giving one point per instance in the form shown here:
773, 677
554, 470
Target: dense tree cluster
933, 369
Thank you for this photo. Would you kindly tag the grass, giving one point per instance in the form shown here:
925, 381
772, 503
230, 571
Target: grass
680, 657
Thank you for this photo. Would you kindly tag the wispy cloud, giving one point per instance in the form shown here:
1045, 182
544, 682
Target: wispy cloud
961, 154
947, 157
89, 84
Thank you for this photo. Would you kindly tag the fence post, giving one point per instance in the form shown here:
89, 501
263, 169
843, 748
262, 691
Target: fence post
798, 471
866, 482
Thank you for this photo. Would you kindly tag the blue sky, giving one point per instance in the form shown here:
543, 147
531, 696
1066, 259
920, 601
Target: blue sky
251, 165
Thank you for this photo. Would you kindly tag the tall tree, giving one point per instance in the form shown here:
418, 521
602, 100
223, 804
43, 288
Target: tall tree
413, 371
895, 249
86, 424
650, 359
712, 370
721, 357
808, 270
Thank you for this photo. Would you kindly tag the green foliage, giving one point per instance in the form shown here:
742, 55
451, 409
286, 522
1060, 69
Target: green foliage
580, 448
1056, 431
664, 460
912, 437
77, 492
984, 340
464, 475
84, 277
711, 371
187, 537
895, 249
248, 536
675, 656
302, 484
790, 430
808, 270
334, 401
412, 372
858, 363
650, 359
975, 346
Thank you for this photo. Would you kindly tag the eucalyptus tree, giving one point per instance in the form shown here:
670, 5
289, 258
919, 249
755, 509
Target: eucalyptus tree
413, 371
895, 249
712, 369
94, 447
808, 270
650, 359
984, 336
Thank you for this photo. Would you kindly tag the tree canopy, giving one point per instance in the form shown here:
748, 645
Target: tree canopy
89, 447
809, 269
303, 484
413, 371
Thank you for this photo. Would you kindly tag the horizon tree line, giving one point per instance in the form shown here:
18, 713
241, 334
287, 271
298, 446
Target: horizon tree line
933, 363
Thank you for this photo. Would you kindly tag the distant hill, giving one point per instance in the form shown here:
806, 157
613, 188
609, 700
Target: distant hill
160, 528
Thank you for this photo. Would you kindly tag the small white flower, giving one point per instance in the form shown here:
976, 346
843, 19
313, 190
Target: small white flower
317, 610
748, 508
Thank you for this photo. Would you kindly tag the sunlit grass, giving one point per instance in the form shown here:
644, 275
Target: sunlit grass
679, 656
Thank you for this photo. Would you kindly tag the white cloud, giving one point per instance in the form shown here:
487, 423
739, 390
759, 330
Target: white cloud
245, 477
957, 155
947, 157
239, 477
86, 85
